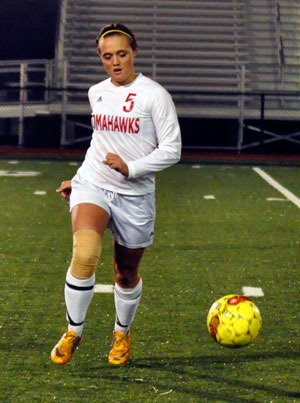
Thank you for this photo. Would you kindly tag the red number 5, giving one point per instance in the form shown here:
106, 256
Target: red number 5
128, 108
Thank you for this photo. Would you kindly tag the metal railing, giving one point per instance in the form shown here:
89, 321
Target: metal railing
26, 88
33, 88
279, 44
19, 74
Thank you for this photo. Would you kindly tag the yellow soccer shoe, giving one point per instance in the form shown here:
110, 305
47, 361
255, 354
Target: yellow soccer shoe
63, 350
120, 350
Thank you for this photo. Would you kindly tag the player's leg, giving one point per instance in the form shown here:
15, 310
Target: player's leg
132, 225
127, 294
89, 222
128, 285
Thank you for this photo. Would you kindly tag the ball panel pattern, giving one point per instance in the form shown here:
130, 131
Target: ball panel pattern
234, 321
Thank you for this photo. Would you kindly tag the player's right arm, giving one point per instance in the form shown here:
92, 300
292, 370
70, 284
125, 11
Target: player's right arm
65, 189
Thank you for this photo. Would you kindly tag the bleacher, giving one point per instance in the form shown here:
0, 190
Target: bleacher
205, 52
194, 48
188, 46
290, 31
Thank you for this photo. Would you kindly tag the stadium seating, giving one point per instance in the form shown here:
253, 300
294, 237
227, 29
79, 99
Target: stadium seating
205, 52
192, 47
186, 46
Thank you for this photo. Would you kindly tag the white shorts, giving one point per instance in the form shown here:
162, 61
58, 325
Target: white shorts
131, 217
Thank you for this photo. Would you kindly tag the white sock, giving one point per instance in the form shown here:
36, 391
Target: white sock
78, 295
126, 302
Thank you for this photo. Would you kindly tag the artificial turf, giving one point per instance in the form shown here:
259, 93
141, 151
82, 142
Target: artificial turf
216, 232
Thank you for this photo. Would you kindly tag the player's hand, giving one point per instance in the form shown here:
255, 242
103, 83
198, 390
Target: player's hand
65, 189
115, 162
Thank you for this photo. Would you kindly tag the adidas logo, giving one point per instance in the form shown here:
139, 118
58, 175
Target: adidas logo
99, 99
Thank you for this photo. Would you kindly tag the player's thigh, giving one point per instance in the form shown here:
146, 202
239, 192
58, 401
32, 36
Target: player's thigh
132, 220
91, 216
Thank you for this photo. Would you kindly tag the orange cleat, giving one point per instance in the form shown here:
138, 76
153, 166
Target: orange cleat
63, 350
120, 350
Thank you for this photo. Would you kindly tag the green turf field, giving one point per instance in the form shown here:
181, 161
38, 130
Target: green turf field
204, 248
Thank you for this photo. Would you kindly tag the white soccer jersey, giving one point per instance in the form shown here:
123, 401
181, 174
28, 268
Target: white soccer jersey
139, 123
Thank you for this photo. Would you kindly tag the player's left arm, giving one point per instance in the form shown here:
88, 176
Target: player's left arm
168, 150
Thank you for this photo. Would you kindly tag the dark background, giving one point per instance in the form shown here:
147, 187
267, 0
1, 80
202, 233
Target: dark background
28, 29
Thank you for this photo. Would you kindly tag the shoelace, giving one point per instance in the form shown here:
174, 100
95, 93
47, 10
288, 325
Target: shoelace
120, 340
71, 339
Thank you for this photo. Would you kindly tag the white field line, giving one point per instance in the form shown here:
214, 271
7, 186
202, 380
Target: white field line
19, 173
276, 199
253, 291
40, 193
276, 185
104, 288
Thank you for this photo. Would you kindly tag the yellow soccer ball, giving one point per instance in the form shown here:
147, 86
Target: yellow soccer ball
234, 321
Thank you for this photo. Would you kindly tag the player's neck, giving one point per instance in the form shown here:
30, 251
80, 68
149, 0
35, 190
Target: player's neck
126, 82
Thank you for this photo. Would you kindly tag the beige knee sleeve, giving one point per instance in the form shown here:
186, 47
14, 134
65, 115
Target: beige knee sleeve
87, 245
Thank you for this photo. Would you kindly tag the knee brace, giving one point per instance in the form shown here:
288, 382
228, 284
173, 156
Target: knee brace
87, 246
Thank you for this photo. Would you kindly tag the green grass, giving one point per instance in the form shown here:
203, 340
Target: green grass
203, 249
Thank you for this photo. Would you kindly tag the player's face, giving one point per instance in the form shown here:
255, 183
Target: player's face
117, 58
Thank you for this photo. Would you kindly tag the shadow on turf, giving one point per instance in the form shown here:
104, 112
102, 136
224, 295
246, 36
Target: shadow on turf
185, 367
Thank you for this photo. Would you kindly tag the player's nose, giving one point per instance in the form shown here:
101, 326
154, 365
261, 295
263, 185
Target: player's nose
115, 60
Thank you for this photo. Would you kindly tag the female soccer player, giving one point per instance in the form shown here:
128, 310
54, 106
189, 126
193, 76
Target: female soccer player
135, 134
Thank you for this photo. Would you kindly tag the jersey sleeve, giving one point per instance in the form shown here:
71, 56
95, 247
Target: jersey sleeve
168, 150
92, 96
